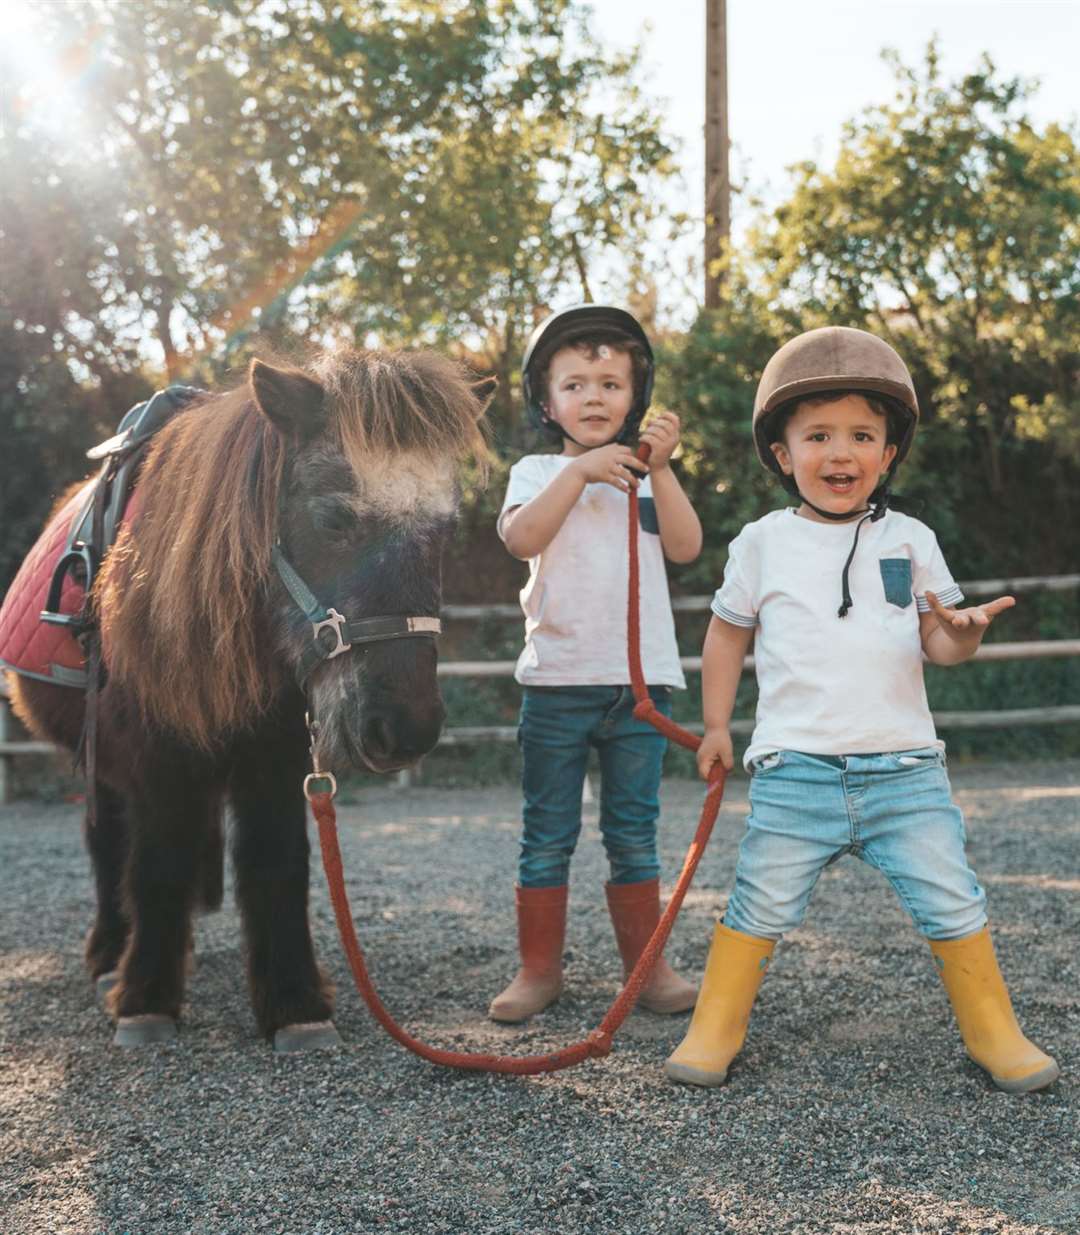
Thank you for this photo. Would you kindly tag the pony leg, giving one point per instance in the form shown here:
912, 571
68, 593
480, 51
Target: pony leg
211, 879
291, 997
107, 844
167, 823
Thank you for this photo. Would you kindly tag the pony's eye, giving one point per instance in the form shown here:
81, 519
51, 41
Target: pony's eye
333, 517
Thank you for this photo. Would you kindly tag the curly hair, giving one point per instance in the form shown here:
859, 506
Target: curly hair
589, 341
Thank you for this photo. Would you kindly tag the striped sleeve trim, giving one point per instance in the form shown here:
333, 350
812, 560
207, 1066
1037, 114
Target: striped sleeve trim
948, 596
736, 619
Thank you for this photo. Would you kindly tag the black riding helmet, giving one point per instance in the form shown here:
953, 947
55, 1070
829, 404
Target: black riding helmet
564, 329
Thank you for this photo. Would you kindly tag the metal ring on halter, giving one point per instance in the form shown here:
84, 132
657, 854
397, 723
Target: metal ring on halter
327, 776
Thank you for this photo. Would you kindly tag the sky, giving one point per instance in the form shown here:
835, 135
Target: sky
798, 70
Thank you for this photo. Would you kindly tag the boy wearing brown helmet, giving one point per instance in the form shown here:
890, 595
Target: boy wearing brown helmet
844, 757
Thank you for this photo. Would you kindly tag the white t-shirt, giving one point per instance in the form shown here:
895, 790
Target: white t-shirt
829, 685
575, 599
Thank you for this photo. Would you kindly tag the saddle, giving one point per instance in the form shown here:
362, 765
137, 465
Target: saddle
47, 617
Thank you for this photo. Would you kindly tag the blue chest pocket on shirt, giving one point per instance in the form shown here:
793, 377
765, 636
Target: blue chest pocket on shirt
896, 576
647, 515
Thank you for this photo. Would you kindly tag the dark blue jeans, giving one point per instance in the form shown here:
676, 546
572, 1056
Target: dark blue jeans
558, 726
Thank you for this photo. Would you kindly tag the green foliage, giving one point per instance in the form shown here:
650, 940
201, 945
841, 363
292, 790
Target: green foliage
709, 377
397, 170
950, 226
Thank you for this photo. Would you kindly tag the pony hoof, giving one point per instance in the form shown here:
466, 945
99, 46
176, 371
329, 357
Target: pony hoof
144, 1030
313, 1036
104, 983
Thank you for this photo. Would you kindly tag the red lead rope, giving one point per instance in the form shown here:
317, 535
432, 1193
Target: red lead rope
599, 1042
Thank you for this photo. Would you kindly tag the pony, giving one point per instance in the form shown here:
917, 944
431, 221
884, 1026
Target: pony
330, 484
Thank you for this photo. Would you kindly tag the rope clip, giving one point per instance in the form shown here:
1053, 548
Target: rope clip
317, 774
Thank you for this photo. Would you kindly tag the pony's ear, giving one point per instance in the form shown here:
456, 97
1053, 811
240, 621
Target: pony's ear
288, 398
484, 390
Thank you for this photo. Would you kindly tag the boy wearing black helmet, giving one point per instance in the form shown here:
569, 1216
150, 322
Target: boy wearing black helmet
587, 381
844, 757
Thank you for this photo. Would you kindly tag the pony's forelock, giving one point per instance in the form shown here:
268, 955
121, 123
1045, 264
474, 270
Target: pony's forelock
382, 403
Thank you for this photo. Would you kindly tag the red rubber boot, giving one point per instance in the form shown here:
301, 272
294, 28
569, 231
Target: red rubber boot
635, 911
541, 915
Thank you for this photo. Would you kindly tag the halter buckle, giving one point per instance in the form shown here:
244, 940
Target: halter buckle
335, 621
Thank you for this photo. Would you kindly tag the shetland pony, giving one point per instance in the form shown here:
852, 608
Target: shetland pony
347, 473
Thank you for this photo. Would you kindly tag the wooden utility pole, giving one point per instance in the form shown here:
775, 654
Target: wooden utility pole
717, 184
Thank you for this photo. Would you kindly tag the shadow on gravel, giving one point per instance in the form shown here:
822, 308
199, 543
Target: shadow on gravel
852, 1108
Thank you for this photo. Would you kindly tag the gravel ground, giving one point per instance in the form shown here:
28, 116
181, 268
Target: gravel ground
852, 1108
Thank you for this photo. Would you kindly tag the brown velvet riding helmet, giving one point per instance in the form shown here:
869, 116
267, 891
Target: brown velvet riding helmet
832, 358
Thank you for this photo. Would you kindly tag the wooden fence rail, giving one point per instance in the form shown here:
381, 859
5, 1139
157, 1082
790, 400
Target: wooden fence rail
700, 604
464, 735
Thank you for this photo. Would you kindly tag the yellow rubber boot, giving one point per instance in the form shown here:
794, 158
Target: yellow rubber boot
985, 1015
733, 973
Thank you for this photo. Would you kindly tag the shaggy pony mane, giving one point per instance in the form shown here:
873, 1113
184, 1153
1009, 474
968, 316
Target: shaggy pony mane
182, 595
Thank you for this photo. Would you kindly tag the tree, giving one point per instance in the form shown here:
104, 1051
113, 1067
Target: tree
950, 226
396, 170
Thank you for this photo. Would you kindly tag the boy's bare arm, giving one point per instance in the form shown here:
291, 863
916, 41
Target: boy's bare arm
722, 658
680, 528
950, 636
529, 529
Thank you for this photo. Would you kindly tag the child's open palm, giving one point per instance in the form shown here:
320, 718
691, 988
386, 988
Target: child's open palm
961, 624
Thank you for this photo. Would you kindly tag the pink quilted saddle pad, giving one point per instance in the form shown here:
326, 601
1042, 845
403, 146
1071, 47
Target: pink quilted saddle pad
27, 644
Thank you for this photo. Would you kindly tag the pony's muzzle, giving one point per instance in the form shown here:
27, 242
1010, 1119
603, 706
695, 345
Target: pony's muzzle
379, 708
393, 738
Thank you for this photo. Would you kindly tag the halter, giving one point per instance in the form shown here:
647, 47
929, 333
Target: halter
345, 633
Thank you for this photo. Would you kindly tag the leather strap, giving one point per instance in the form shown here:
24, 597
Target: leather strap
332, 633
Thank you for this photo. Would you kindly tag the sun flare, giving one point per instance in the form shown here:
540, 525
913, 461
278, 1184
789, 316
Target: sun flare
46, 69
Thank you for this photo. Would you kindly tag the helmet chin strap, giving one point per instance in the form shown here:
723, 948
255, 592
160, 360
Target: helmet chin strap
551, 421
877, 509
570, 436
831, 514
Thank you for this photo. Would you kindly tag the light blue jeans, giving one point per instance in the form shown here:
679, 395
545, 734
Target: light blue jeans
894, 811
558, 726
